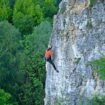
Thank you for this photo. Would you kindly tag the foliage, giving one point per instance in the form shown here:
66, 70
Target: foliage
22, 66
11, 3
99, 67
26, 14
92, 3
41, 36
95, 100
24, 23
98, 100
10, 53
5, 98
33, 88
34, 66
5, 10
50, 8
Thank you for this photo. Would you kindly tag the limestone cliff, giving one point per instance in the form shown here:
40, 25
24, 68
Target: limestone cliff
78, 37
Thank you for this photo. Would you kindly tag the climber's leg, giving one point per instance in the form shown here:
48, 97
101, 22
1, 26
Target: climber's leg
51, 62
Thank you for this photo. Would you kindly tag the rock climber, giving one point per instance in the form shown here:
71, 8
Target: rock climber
49, 55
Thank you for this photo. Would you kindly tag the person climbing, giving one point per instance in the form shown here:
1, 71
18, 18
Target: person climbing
49, 55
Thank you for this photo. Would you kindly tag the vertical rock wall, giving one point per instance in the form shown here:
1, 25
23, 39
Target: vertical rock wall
78, 37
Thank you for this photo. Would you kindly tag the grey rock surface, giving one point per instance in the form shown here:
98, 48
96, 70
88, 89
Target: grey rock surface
78, 37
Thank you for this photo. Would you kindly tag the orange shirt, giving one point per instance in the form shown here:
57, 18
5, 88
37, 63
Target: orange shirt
48, 53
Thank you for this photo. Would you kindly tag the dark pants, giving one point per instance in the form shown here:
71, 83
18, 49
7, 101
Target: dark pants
51, 62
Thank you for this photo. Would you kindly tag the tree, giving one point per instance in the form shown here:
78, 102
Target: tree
11, 2
27, 14
50, 8
34, 66
10, 58
5, 10
5, 98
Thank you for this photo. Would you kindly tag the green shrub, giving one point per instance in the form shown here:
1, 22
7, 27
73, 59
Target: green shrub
5, 98
98, 100
99, 67
92, 3
27, 14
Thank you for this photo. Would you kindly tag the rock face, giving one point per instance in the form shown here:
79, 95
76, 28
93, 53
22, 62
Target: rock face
78, 37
